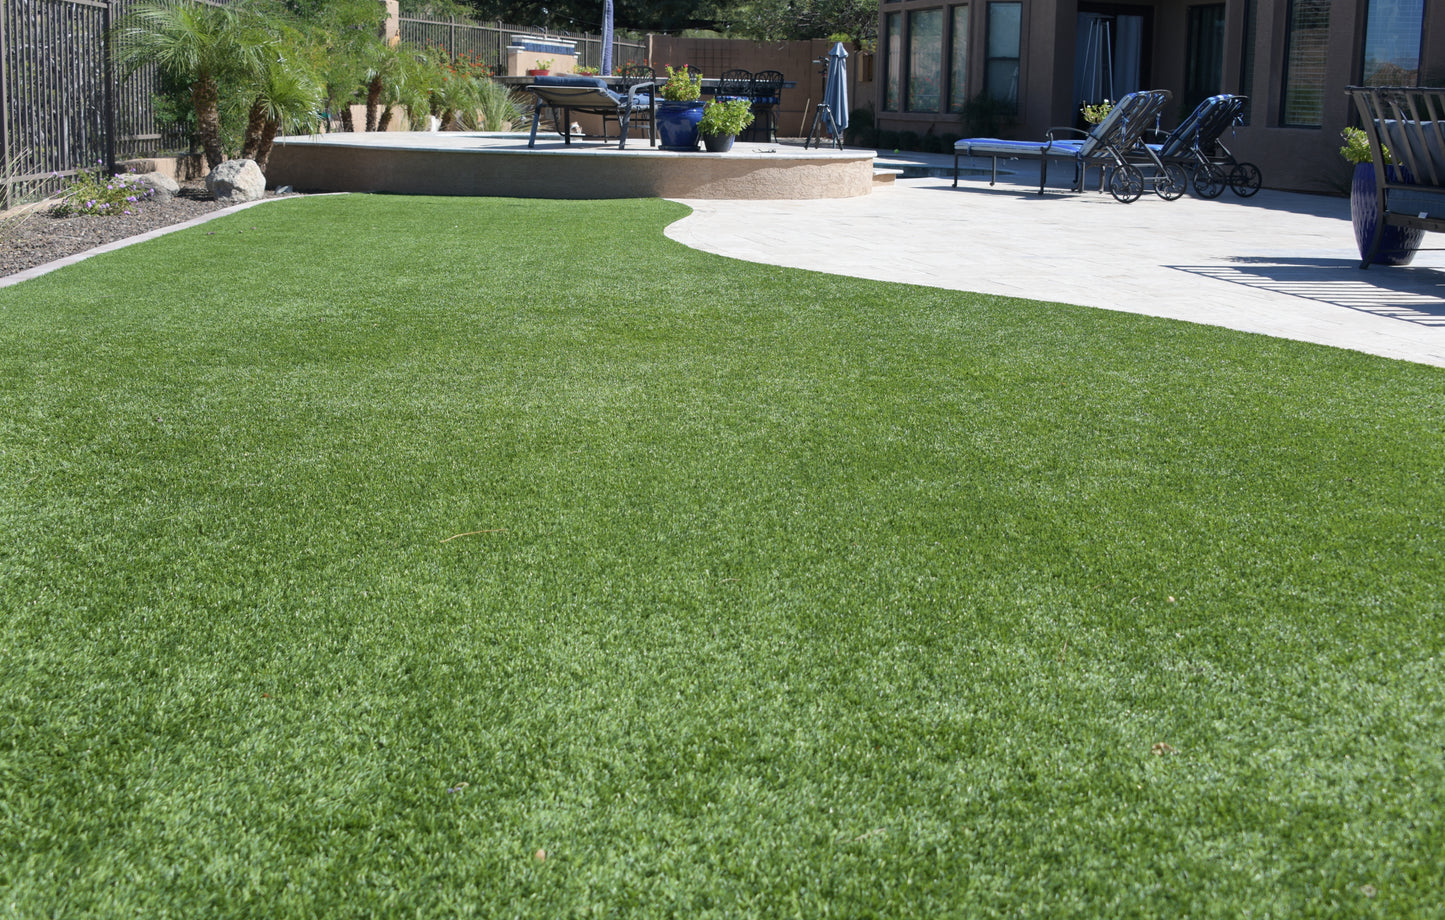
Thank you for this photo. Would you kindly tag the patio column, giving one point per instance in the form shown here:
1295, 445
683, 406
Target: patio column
391, 25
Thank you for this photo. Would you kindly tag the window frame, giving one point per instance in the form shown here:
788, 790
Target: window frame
1365, 41
989, 59
908, 85
1287, 77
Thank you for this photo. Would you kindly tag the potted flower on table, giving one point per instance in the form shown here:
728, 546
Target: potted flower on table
679, 110
722, 122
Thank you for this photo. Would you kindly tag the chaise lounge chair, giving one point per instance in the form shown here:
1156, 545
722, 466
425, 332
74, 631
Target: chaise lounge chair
566, 94
1107, 146
1196, 148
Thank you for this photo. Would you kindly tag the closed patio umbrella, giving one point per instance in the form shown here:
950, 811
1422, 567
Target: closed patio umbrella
836, 91
606, 38
834, 107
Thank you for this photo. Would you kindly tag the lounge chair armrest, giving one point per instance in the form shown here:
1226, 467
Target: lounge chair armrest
1075, 131
632, 90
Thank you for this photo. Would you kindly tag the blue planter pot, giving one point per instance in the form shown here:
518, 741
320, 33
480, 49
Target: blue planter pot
677, 124
1400, 243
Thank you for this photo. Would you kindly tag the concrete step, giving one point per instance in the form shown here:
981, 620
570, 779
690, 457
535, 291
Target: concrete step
886, 176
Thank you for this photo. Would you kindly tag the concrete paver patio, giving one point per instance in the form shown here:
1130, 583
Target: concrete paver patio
1280, 264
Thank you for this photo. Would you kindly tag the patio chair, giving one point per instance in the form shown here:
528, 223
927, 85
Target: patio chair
734, 84
1107, 146
566, 94
628, 76
1196, 148
767, 94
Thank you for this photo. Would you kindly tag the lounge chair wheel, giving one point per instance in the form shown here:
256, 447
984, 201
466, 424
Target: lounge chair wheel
1126, 183
1208, 181
1244, 179
1171, 183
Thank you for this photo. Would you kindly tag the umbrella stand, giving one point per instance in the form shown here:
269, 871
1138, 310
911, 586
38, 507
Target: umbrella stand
823, 118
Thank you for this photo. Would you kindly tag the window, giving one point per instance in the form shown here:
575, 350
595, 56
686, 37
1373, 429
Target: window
958, 59
1204, 54
925, 59
1246, 59
1304, 74
1001, 63
893, 49
1393, 29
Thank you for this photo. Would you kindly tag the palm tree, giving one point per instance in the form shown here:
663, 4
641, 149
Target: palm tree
344, 37
385, 64
287, 92
200, 45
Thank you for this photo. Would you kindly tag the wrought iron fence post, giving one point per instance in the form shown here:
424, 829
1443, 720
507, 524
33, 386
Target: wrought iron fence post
108, 79
5, 162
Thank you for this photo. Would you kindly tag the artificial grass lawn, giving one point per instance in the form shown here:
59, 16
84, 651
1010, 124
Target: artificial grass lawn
777, 594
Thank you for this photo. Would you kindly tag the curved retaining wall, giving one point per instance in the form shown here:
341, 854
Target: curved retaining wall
461, 163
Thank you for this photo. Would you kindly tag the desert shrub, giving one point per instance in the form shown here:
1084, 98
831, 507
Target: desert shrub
98, 193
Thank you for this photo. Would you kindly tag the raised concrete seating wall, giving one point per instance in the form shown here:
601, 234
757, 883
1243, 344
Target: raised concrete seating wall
529, 52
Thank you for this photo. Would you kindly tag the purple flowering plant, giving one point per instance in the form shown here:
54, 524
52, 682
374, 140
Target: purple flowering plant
98, 193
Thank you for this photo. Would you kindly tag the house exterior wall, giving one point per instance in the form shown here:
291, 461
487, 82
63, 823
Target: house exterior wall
1303, 158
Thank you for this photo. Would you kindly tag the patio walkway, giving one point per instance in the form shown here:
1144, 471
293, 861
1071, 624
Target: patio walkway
1280, 264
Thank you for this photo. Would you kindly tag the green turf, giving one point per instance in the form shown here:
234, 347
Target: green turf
357, 549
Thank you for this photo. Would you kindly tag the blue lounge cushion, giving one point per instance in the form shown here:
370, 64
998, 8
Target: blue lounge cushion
570, 79
1416, 201
993, 146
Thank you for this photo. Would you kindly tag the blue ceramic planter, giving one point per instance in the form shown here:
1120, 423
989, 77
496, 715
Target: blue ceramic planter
677, 124
1400, 243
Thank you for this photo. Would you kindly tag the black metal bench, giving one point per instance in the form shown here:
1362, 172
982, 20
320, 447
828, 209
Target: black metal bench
1409, 121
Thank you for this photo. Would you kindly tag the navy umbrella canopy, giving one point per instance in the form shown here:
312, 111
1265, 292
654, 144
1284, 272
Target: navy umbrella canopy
832, 114
835, 93
606, 37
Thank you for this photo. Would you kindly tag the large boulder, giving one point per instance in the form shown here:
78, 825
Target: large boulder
162, 186
236, 181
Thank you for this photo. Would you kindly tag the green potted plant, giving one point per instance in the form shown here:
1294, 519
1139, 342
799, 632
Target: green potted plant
1400, 243
1096, 112
679, 110
541, 69
722, 122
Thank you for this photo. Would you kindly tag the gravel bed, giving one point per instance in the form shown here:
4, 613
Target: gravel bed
41, 237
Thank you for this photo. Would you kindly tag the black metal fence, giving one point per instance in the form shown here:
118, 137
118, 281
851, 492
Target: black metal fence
486, 43
64, 111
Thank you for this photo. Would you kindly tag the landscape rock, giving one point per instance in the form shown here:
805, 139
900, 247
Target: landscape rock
235, 181
163, 187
